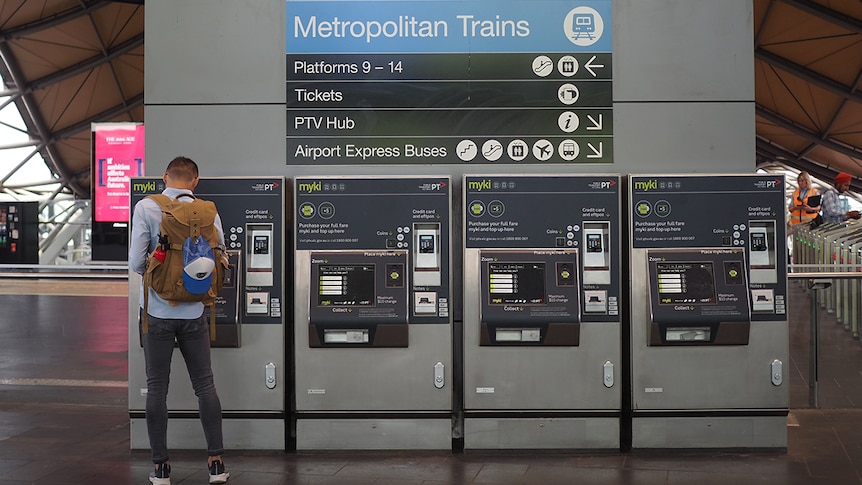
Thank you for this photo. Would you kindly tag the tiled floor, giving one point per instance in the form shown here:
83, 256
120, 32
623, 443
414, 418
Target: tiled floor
63, 419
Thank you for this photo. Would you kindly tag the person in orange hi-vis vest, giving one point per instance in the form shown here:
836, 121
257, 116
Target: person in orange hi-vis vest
800, 209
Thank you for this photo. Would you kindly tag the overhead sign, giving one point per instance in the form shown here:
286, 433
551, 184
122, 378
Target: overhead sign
396, 82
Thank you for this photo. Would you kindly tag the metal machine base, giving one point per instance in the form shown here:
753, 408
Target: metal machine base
239, 434
541, 433
374, 434
729, 432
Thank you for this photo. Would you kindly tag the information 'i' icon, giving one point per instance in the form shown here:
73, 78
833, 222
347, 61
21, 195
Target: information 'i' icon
568, 121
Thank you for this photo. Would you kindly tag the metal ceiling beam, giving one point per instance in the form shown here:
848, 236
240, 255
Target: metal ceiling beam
829, 84
778, 154
808, 134
20, 144
763, 22
85, 65
125, 107
58, 18
828, 14
105, 51
33, 120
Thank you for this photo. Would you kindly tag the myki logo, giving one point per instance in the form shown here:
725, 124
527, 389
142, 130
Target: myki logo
479, 185
434, 186
311, 187
602, 184
646, 185
267, 187
144, 187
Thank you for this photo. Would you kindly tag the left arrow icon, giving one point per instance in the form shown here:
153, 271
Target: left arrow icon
589, 66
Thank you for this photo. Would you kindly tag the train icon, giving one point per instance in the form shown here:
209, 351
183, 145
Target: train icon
583, 24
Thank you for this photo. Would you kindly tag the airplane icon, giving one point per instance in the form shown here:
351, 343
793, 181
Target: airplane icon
543, 149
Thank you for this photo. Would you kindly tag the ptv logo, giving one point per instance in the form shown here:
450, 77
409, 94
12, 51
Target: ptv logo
768, 184
264, 186
433, 186
602, 184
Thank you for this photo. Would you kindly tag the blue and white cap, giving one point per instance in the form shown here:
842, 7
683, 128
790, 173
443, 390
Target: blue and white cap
198, 266
197, 275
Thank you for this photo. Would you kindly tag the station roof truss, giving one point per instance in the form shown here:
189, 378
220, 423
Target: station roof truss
808, 72
66, 64
69, 63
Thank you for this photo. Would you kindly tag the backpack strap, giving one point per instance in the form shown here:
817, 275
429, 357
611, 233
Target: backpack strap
212, 321
162, 200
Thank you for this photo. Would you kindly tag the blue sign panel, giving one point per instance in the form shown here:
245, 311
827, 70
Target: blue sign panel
481, 81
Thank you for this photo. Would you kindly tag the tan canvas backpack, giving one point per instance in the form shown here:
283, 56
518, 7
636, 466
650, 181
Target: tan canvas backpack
186, 224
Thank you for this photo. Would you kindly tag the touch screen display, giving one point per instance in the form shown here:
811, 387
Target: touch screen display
686, 282
345, 285
426, 243
594, 243
261, 245
516, 283
758, 241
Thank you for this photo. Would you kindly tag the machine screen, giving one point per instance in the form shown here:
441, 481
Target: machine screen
261, 245
686, 282
346, 285
516, 283
426, 243
758, 241
594, 243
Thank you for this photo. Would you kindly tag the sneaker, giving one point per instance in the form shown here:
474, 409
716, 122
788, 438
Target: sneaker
161, 475
217, 472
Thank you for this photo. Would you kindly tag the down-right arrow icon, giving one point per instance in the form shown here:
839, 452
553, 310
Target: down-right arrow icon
597, 153
597, 123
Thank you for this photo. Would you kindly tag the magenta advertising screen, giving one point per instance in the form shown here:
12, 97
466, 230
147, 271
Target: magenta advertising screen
118, 155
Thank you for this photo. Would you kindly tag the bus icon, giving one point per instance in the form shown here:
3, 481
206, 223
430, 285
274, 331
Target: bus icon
583, 24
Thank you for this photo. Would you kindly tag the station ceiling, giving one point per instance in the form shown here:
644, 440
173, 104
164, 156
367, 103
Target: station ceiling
69, 63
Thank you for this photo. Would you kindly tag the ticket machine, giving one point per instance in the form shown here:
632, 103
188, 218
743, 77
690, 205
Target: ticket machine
708, 336
248, 356
373, 333
542, 334
19, 232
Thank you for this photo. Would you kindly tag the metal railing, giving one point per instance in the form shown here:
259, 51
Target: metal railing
100, 271
820, 283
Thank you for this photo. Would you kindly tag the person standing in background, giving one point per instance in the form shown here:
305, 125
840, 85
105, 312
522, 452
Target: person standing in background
800, 210
834, 208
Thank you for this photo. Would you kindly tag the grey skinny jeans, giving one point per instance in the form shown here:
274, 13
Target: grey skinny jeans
192, 336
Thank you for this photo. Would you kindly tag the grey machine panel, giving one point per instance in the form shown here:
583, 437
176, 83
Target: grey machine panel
709, 334
541, 312
248, 355
373, 333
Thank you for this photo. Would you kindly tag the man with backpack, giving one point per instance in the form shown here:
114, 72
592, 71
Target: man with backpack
165, 322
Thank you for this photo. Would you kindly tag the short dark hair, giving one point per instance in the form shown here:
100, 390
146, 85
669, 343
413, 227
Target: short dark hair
182, 168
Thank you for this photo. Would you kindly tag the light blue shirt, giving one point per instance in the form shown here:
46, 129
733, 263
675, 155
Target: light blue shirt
143, 239
833, 207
